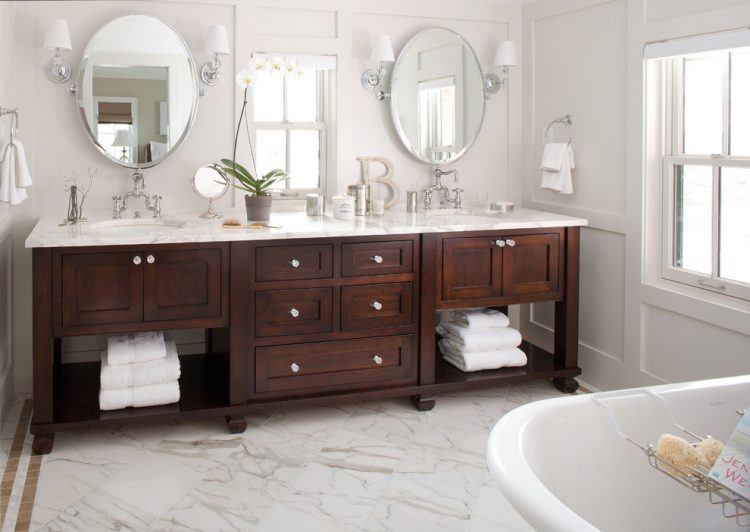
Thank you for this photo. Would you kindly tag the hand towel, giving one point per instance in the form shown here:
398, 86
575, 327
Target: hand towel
480, 319
138, 396
552, 156
23, 177
560, 180
141, 347
481, 360
482, 339
10, 192
161, 371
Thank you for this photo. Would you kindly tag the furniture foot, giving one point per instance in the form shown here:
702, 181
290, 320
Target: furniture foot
236, 424
43, 443
423, 403
565, 384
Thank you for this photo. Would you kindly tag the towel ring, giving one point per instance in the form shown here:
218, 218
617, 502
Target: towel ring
566, 120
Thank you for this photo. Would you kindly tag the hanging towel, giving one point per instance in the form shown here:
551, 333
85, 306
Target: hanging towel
141, 347
161, 371
14, 173
557, 166
138, 396
487, 318
480, 339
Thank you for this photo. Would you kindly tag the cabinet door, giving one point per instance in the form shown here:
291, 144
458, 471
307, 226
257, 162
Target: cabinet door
471, 268
185, 284
531, 265
101, 288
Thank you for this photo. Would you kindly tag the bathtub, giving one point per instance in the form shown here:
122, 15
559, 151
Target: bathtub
563, 467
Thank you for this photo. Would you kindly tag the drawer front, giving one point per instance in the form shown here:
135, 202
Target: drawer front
338, 365
289, 263
282, 312
376, 305
376, 258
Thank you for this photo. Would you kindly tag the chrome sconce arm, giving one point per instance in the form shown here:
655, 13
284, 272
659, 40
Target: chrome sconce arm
373, 79
211, 73
505, 57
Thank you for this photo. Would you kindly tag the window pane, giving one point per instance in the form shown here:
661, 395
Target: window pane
268, 97
304, 154
302, 96
271, 152
704, 94
734, 233
740, 108
693, 189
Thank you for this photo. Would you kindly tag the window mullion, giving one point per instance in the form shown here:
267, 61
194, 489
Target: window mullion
715, 217
726, 106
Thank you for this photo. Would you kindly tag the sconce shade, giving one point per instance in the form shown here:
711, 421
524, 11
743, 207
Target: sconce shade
382, 49
505, 54
216, 41
123, 139
58, 35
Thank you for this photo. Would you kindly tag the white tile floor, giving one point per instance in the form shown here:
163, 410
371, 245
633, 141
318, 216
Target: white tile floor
378, 465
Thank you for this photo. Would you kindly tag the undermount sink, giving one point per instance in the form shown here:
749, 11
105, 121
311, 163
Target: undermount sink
460, 217
148, 224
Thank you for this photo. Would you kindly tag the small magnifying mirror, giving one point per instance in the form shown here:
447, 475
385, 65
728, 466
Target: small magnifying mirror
209, 185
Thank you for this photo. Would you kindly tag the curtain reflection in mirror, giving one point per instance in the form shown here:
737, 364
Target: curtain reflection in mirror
437, 118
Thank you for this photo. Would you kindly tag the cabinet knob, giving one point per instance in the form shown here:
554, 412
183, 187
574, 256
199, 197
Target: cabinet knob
294, 367
377, 359
377, 259
500, 243
294, 263
136, 260
510, 242
150, 259
294, 312
377, 305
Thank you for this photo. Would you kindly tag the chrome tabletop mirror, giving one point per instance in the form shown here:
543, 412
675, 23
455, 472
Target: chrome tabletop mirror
137, 90
437, 96
209, 185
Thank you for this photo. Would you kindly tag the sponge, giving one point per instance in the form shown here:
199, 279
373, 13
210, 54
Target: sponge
677, 451
711, 449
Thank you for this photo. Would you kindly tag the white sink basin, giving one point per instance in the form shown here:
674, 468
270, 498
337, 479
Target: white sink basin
137, 225
460, 217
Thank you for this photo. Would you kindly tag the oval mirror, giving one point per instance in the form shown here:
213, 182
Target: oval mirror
437, 96
137, 90
209, 185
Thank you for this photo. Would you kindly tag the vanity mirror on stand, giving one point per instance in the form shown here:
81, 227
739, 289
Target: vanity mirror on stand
209, 185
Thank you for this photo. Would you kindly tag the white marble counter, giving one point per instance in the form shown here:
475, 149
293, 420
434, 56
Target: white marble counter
49, 232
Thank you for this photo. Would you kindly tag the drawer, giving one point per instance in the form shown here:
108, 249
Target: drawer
338, 365
376, 305
376, 258
305, 310
288, 263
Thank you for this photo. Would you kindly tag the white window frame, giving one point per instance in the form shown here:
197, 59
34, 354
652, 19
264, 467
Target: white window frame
674, 156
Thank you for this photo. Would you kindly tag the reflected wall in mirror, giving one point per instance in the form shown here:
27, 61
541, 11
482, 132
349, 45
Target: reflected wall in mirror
209, 185
437, 96
137, 90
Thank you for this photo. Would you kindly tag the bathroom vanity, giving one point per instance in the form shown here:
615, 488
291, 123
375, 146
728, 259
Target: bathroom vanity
318, 311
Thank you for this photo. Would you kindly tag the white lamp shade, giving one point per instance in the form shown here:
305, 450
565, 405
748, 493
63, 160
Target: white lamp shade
382, 49
217, 42
505, 55
58, 35
123, 139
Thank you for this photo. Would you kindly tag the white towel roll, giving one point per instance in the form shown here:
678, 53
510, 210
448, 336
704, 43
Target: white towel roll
481, 339
139, 396
141, 347
161, 371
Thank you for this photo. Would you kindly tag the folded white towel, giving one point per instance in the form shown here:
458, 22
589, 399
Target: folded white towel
163, 370
561, 179
486, 318
14, 174
480, 339
482, 360
155, 394
141, 347
552, 156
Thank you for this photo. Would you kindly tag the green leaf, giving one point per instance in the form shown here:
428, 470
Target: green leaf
234, 164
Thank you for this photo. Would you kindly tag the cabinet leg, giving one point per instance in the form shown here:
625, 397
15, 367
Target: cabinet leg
43, 443
423, 403
236, 424
565, 384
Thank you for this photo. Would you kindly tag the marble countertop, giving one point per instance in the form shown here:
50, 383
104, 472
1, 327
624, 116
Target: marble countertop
100, 230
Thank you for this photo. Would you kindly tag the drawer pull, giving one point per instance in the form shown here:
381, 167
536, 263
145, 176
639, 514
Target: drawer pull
378, 259
510, 242
500, 243
377, 359
294, 312
294, 263
150, 259
377, 305
136, 260
294, 367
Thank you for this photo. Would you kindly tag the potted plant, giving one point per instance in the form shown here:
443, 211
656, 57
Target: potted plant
257, 189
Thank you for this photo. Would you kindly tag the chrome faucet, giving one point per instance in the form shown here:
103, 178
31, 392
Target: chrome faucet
439, 187
153, 202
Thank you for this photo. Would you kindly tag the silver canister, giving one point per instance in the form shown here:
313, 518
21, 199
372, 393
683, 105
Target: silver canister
411, 201
360, 193
315, 205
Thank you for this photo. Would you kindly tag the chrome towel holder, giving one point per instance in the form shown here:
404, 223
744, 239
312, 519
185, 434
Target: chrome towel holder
566, 120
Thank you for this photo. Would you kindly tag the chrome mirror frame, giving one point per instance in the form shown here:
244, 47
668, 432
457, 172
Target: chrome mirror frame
210, 212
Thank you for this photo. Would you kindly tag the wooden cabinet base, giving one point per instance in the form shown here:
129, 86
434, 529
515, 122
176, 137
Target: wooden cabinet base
566, 384
236, 424
423, 403
43, 443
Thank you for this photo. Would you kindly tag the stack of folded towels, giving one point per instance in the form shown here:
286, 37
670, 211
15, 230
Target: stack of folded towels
139, 370
475, 340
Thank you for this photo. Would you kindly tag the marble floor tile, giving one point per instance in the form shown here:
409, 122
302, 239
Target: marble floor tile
99, 511
286, 518
393, 420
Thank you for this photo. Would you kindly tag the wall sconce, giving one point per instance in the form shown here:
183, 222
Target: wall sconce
382, 51
216, 45
58, 39
505, 56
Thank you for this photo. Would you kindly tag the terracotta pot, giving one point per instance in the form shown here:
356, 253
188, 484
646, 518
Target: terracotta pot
258, 208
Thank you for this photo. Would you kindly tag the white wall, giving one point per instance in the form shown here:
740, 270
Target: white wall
584, 57
56, 143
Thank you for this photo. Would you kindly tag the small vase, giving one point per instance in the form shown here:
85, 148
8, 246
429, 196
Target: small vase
258, 208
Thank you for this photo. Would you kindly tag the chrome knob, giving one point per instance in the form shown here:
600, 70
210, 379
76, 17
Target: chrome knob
378, 259
294, 312
377, 359
294, 367
377, 305
500, 243
136, 260
510, 242
294, 263
150, 259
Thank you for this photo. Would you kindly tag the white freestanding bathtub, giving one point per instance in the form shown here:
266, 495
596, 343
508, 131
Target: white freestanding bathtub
563, 467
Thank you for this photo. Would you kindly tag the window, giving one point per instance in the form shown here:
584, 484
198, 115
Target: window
291, 119
706, 170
